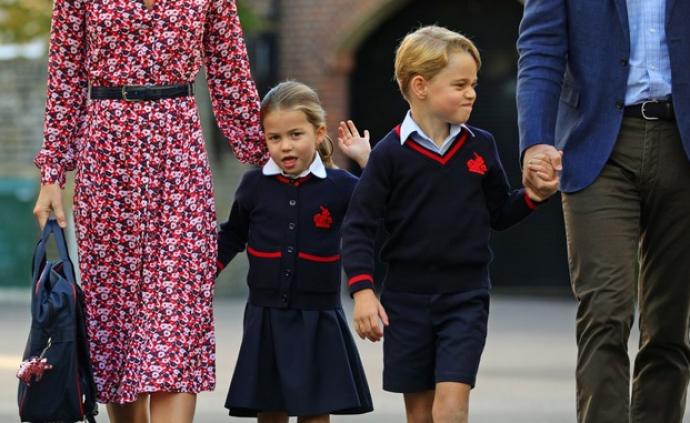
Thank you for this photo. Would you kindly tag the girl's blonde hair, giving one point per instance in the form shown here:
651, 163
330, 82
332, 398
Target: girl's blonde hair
426, 52
293, 95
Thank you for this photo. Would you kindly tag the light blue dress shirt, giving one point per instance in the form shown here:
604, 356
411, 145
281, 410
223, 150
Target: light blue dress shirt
409, 128
650, 66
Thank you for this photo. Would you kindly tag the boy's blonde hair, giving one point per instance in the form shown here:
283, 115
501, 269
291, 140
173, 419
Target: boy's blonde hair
426, 52
293, 95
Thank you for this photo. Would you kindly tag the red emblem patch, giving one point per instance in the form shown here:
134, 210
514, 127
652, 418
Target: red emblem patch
477, 165
323, 219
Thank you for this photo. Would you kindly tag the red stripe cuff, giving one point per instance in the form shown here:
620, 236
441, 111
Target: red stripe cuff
359, 278
219, 265
530, 203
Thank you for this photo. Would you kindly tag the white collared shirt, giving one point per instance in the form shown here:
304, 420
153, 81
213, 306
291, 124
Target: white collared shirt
409, 128
316, 168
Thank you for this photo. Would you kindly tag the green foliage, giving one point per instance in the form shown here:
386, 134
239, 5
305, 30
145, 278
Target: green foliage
250, 20
26, 20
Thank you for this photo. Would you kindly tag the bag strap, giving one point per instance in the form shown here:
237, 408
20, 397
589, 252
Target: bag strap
52, 227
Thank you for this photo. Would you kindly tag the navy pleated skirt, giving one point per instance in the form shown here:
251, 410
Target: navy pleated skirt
303, 362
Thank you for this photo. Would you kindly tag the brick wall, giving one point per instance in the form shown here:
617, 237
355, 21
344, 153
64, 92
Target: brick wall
317, 43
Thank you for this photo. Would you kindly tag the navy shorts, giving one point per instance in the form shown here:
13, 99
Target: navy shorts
433, 338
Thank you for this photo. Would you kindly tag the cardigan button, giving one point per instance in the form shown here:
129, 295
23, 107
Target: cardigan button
288, 273
291, 226
290, 249
284, 298
292, 203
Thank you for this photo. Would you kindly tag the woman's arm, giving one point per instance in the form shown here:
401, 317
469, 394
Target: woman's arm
234, 98
65, 105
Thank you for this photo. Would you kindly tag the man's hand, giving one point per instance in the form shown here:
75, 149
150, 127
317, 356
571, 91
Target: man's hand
367, 312
538, 188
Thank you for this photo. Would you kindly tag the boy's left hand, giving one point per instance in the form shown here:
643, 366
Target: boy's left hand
354, 145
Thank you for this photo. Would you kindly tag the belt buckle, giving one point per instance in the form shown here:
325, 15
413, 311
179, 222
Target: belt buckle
644, 114
124, 96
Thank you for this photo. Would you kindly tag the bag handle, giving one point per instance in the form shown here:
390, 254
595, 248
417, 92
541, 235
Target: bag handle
52, 227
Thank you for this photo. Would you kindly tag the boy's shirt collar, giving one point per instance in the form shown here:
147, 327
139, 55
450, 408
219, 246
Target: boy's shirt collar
316, 168
409, 128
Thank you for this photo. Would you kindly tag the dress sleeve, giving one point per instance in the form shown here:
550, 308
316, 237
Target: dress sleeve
67, 91
234, 98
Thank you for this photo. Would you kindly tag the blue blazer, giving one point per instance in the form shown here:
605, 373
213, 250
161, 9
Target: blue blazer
572, 77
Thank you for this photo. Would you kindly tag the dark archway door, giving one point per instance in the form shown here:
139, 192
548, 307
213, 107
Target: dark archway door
532, 254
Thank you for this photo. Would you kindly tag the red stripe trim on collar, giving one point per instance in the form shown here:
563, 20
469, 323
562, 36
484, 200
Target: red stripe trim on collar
296, 182
442, 159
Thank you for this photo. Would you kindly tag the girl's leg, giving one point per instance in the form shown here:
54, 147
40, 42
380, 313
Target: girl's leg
324, 418
133, 412
451, 402
418, 406
272, 417
171, 407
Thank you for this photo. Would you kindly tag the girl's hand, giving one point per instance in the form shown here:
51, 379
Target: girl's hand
354, 145
50, 200
367, 312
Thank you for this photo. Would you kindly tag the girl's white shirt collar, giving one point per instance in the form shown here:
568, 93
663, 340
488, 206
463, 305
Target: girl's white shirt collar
316, 168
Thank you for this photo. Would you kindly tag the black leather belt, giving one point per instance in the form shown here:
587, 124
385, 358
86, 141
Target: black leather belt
651, 110
141, 92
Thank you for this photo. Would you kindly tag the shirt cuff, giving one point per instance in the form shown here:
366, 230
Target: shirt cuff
52, 175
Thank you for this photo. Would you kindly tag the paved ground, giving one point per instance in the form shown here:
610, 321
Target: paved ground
526, 374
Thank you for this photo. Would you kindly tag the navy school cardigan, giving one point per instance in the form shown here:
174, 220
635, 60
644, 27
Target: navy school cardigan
437, 213
292, 232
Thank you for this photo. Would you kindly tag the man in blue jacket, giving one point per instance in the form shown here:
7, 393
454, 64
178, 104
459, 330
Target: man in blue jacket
608, 83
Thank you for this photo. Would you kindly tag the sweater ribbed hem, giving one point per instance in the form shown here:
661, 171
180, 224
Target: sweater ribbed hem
431, 280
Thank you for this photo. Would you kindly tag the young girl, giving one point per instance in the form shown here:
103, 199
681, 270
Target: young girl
297, 356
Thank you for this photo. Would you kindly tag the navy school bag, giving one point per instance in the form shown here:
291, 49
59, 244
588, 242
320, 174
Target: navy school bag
56, 381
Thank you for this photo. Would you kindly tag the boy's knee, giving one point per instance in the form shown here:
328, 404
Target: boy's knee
451, 403
449, 412
419, 416
418, 407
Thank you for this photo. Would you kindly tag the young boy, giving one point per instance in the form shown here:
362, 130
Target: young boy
438, 187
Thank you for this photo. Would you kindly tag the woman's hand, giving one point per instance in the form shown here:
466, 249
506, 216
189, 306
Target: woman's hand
367, 312
354, 145
50, 200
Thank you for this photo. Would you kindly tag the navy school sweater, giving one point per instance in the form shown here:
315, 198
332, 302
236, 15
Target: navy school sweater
292, 231
437, 213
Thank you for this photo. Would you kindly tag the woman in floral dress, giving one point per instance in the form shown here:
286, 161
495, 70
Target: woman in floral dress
143, 202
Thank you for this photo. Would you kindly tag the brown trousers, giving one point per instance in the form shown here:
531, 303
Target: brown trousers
629, 244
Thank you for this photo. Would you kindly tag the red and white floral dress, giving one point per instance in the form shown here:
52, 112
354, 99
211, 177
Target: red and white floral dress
143, 202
